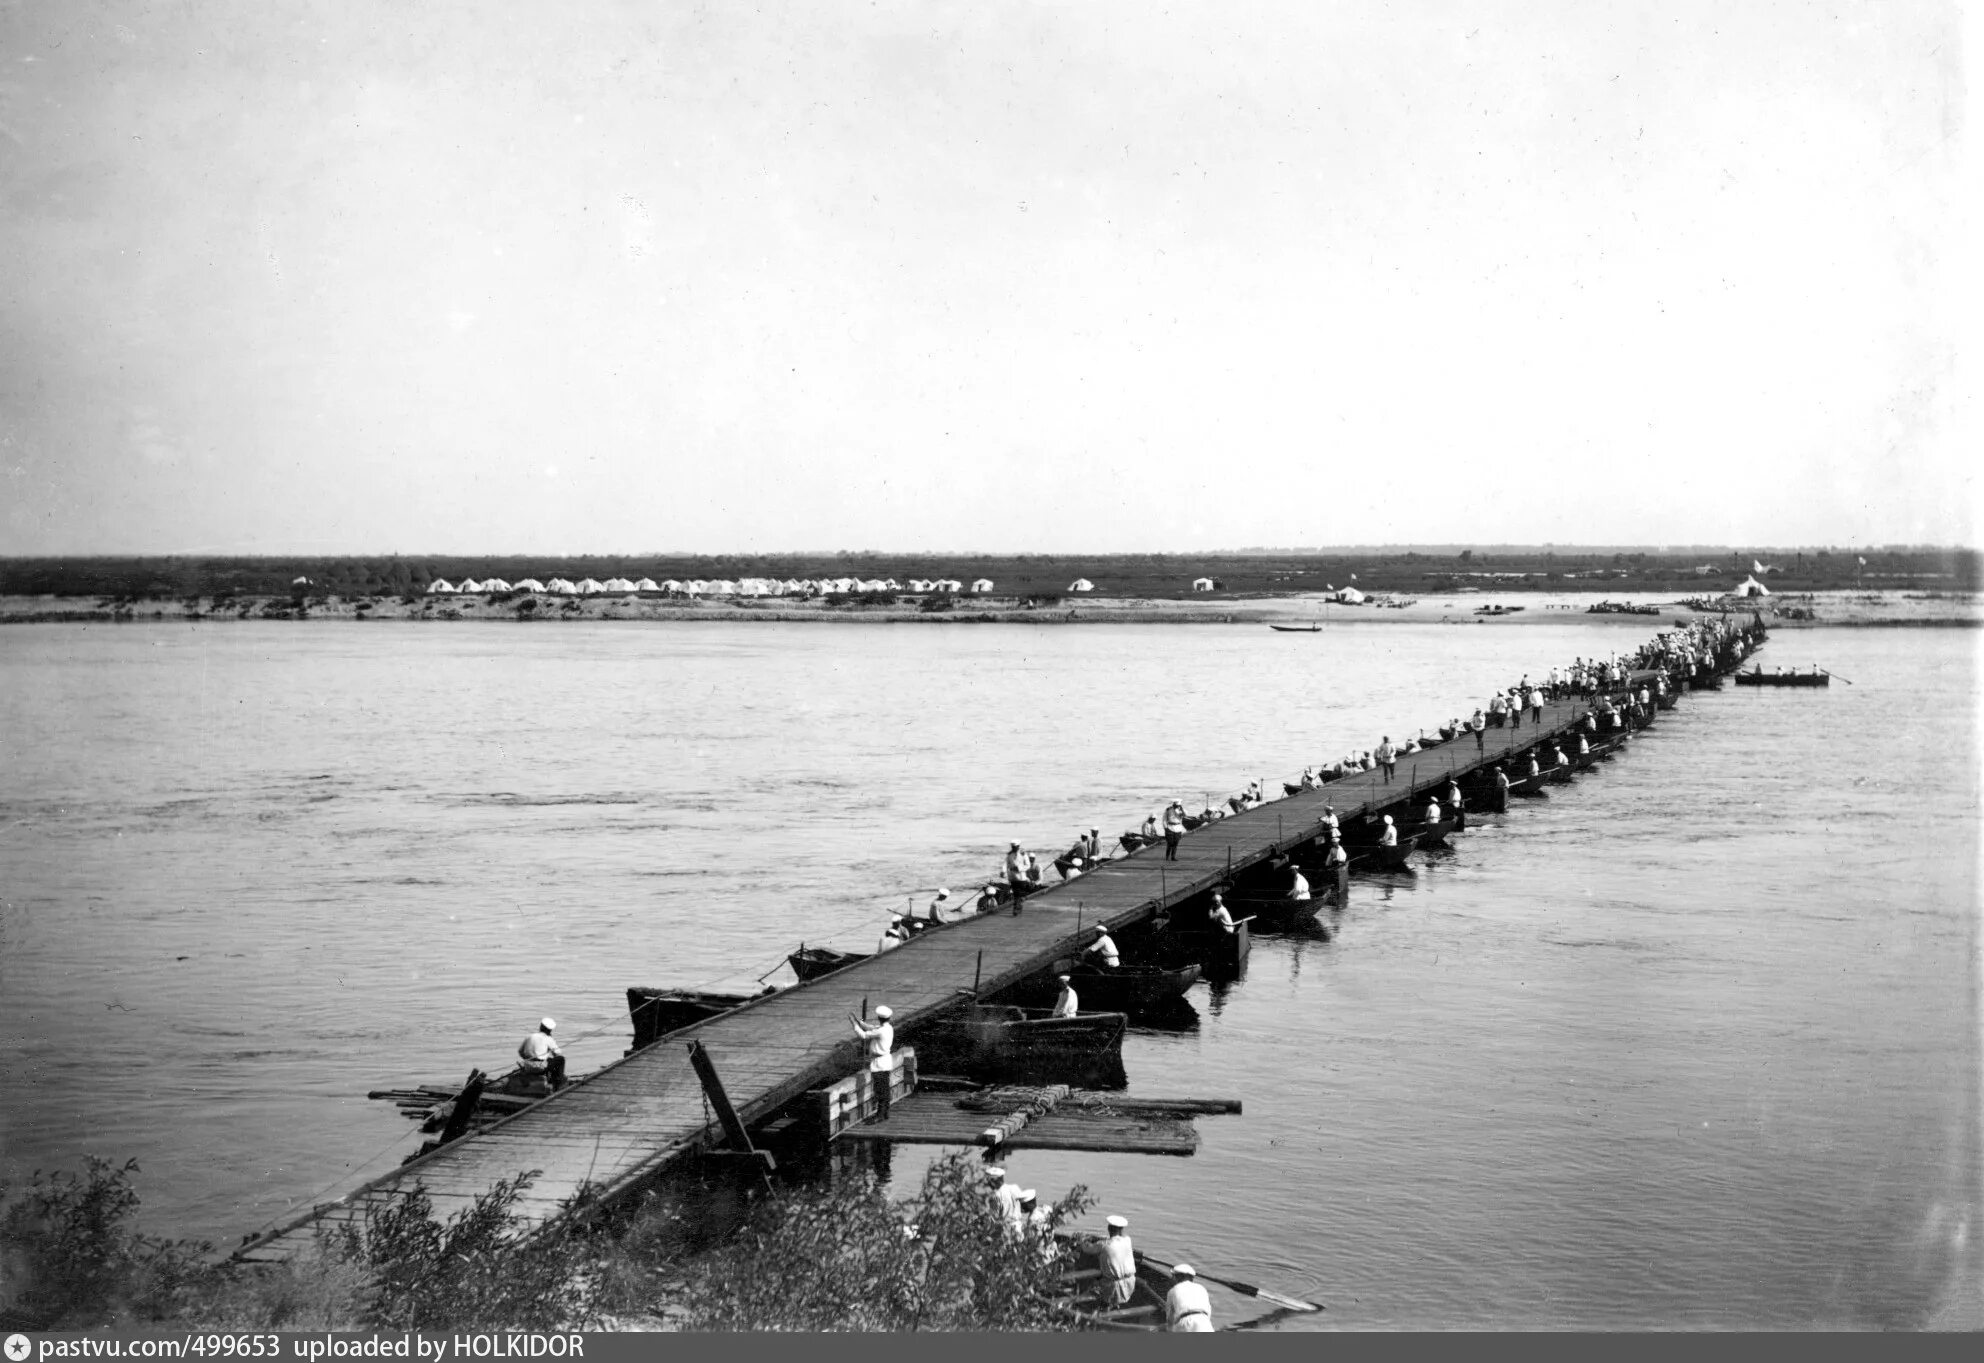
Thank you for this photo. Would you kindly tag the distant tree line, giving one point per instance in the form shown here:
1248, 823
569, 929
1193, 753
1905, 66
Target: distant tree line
1038, 576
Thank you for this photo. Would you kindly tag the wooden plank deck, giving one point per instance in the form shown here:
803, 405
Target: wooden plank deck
622, 1124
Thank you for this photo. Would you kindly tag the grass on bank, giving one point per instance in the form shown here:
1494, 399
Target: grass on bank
839, 1257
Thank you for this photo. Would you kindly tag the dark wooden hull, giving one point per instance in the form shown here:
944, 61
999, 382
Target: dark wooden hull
657, 1012
810, 963
1783, 679
1297, 629
1126, 990
1378, 857
1003, 1034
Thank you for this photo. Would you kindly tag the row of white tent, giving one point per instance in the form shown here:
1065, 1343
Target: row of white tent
747, 586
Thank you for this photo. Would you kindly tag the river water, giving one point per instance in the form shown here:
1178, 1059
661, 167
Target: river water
1692, 1043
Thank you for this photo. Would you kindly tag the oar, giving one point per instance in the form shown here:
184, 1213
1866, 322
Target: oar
1244, 1289
1831, 673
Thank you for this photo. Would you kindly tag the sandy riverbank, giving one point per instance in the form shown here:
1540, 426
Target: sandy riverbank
1843, 608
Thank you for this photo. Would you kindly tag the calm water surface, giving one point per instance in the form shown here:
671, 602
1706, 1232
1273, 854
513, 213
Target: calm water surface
1692, 1043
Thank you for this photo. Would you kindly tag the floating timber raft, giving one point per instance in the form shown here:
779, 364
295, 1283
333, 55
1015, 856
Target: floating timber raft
609, 1132
1050, 1118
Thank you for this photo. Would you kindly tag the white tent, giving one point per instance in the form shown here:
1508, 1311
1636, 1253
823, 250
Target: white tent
590, 586
440, 584
1202, 584
695, 586
1081, 584
752, 586
721, 587
919, 584
561, 587
672, 586
646, 584
529, 584
947, 584
616, 584
495, 584
469, 584
793, 587
983, 585
1749, 586
1350, 596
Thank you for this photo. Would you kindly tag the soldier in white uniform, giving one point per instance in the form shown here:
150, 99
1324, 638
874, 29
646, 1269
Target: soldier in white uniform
1119, 1264
1187, 1308
881, 1039
1065, 1005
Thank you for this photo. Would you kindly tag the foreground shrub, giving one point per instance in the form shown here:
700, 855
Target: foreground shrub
69, 1256
846, 1258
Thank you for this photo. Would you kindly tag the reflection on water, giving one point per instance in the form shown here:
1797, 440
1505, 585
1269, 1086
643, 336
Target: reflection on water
1691, 1043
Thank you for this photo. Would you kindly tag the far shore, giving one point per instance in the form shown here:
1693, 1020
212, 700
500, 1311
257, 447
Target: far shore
1297, 609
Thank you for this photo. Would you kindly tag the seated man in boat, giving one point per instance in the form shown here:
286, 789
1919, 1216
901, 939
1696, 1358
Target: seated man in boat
1071, 861
893, 936
1218, 914
1187, 1308
1298, 884
1066, 1002
1433, 815
540, 1058
941, 910
1388, 838
1103, 950
1092, 848
988, 899
1149, 831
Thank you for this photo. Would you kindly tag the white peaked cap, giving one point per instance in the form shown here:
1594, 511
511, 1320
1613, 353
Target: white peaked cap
882, 1010
1184, 1271
994, 1171
1118, 1223
943, 893
547, 1024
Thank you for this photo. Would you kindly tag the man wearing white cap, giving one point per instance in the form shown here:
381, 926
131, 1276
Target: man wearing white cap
1066, 1004
940, 906
881, 1039
538, 1052
1119, 1264
1187, 1308
893, 936
1221, 919
1388, 838
1004, 1192
1015, 866
1103, 948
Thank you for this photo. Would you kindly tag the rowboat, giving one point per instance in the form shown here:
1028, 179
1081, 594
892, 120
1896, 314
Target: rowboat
1276, 914
1126, 989
1001, 1035
1762, 678
810, 963
1379, 857
1297, 629
657, 1012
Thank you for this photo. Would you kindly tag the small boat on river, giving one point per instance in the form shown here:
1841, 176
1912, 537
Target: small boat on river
1126, 989
984, 1035
1759, 677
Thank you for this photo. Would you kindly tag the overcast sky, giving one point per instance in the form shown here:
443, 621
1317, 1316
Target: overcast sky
479, 277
